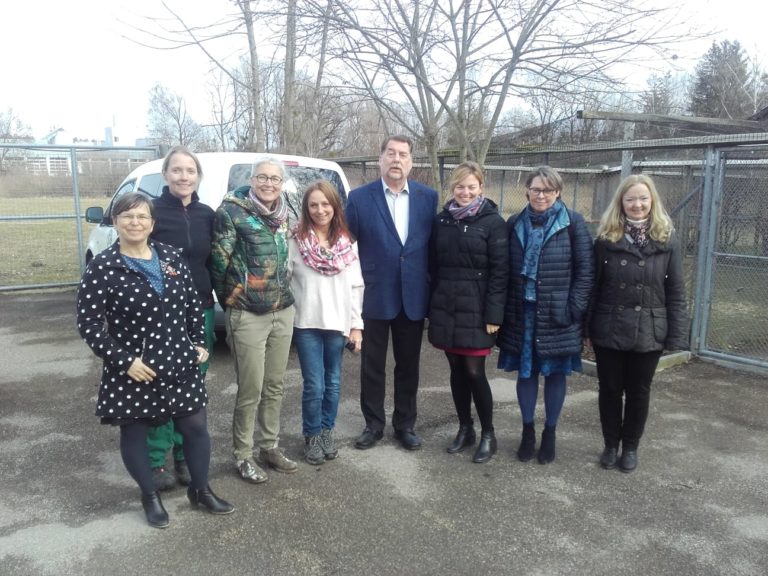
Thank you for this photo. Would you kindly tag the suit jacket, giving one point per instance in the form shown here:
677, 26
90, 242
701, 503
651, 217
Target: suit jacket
396, 276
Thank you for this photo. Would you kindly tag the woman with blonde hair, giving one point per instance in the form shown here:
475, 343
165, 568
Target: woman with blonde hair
638, 310
469, 263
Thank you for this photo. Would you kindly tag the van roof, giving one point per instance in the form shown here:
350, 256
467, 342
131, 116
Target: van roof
226, 158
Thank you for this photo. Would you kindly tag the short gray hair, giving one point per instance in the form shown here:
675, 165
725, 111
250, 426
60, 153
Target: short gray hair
271, 160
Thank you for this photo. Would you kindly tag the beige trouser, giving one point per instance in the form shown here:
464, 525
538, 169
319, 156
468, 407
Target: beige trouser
260, 344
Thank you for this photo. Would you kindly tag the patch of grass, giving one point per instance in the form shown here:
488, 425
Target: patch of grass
41, 251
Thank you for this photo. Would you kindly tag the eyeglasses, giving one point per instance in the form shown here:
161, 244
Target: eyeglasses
263, 179
542, 191
143, 218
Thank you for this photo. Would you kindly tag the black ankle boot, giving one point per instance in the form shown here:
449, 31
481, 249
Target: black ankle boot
464, 437
547, 448
486, 448
527, 443
206, 499
154, 510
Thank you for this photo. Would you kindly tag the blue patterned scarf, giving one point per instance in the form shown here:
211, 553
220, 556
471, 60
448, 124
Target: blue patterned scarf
536, 227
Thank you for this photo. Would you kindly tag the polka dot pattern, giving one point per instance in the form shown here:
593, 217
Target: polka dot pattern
121, 318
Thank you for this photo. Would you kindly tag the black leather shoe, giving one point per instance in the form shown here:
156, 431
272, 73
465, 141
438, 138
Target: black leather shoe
208, 501
368, 438
609, 458
628, 461
527, 448
487, 447
408, 439
465, 437
157, 517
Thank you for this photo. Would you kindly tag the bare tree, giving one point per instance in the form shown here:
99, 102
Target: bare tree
439, 58
169, 121
12, 130
174, 32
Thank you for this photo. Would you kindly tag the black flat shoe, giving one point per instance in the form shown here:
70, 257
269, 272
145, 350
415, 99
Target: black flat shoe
368, 438
628, 461
208, 501
465, 437
408, 439
157, 517
486, 449
609, 458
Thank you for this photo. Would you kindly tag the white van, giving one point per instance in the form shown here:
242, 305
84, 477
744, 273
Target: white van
222, 173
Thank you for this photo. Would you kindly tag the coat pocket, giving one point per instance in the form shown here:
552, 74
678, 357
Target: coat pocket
659, 319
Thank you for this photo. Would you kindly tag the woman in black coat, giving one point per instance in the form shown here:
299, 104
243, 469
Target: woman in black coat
138, 311
639, 309
551, 275
469, 263
183, 222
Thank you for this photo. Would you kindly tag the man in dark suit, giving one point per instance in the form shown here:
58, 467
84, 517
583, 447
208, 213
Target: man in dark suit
391, 219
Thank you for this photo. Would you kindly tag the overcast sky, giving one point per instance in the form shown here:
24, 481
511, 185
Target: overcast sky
68, 64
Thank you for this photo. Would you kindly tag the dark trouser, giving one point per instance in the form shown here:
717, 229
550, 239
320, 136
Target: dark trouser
468, 381
406, 348
197, 450
625, 393
161, 439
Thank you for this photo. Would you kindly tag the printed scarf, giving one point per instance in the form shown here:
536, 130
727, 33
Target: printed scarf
326, 261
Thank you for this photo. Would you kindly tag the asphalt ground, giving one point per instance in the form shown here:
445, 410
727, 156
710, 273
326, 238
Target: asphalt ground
697, 505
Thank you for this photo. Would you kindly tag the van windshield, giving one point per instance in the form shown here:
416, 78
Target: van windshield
299, 177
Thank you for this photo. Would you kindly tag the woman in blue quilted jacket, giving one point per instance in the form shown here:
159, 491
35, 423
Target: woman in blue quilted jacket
550, 281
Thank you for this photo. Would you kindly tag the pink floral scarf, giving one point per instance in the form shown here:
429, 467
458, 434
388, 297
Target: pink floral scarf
326, 261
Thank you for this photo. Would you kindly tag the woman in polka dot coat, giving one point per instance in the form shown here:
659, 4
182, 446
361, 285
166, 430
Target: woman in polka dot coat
138, 311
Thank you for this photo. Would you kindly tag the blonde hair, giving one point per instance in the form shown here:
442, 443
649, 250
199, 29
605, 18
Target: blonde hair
611, 227
464, 170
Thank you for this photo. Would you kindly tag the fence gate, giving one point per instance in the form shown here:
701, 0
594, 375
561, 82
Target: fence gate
730, 319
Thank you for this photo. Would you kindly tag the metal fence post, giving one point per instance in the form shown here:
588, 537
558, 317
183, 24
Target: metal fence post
78, 214
708, 226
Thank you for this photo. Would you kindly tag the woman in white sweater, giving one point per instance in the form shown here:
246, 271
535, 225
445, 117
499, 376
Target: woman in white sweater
328, 287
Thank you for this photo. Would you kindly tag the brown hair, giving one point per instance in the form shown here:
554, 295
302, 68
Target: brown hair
129, 201
548, 174
397, 138
187, 152
338, 226
463, 170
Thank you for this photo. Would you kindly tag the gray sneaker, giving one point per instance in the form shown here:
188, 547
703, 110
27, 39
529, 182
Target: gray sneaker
328, 444
250, 472
313, 452
274, 458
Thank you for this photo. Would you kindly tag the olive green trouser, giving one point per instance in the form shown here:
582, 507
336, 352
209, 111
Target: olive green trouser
260, 344
160, 439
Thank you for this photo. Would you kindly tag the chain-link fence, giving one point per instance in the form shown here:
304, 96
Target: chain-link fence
725, 275
43, 194
714, 188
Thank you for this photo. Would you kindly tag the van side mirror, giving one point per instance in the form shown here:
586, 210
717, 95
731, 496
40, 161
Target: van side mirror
94, 214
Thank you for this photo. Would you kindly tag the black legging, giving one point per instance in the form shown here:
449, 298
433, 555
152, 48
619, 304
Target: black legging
468, 381
197, 450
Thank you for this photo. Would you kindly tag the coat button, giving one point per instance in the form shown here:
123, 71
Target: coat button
638, 308
622, 285
620, 307
639, 286
641, 263
623, 262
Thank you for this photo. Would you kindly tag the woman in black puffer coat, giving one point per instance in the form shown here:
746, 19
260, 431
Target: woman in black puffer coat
638, 310
469, 263
551, 276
